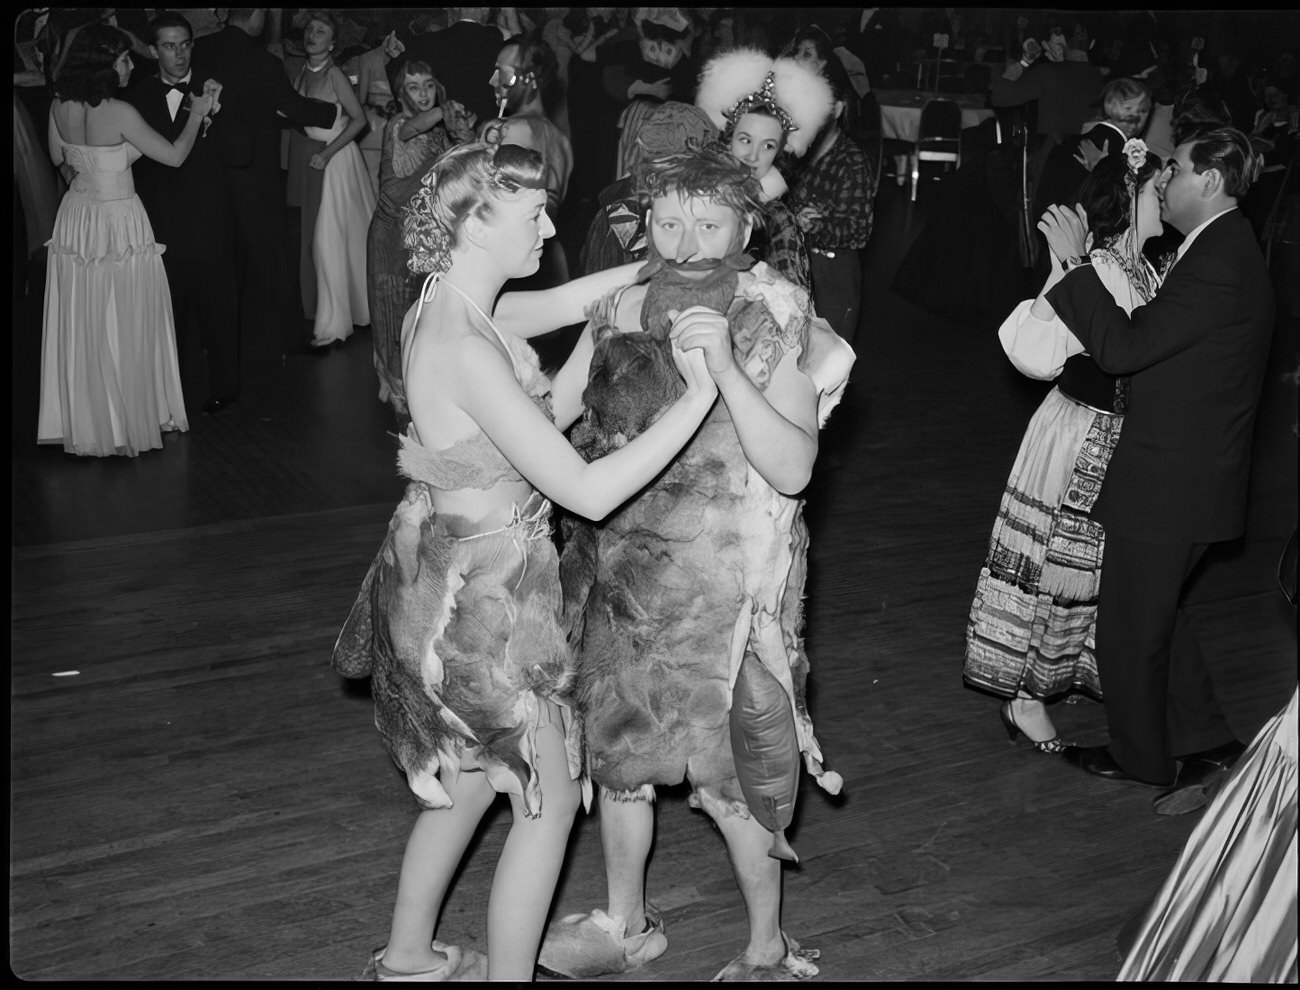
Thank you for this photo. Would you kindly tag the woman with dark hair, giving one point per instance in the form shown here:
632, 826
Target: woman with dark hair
110, 381
1031, 634
425, 126
767, 108
458, 621
328, 177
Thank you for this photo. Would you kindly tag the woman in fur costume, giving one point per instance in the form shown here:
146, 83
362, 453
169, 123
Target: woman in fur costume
458, 620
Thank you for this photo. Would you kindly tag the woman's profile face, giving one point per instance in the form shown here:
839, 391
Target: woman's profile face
419, 92
755, 141
518, 227
122, 66
1149, 223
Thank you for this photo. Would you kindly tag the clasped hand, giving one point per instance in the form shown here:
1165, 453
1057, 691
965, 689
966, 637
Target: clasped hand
1066, 231
209, 101
703, 338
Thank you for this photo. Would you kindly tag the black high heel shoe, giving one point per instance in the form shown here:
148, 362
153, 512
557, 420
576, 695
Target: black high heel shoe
1054, 745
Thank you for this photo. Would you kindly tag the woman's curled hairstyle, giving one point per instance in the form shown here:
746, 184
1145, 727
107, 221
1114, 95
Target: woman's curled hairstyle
87, 74
1108, 194
464, 182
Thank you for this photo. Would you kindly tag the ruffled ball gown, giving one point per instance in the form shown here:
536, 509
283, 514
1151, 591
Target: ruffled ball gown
110, 378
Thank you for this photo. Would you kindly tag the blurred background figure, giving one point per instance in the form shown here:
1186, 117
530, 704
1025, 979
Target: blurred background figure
329, 181
413, 140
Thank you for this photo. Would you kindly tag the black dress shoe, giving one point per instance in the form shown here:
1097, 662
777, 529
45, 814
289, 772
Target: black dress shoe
216, 405
1223, 756
1197, 782
1097, 761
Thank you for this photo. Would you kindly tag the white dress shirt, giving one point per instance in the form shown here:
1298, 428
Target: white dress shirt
174, 96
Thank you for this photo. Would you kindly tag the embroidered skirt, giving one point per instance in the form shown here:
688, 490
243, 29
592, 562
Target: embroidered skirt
1033, 621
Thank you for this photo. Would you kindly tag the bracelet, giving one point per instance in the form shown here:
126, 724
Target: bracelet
1070, 263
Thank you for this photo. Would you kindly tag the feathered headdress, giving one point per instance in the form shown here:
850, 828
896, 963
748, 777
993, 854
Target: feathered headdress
746, 80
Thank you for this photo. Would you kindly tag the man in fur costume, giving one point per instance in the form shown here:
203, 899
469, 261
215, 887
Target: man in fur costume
685, 605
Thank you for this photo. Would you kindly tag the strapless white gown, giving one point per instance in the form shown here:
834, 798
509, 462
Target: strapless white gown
339, 242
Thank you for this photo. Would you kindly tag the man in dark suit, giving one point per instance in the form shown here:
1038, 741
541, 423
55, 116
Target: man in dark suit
191, 213
1196, 355
463, 56
256, 94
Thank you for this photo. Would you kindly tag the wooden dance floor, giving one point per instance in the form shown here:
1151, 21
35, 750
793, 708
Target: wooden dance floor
196, 795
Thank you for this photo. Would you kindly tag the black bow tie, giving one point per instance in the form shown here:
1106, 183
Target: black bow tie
182, 87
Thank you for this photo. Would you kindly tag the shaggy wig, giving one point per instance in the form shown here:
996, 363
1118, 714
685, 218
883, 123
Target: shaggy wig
710, 173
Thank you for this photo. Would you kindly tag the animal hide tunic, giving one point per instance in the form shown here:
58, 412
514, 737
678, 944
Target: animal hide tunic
706, 566
459, 630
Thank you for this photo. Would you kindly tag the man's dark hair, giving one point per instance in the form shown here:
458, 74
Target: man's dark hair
167, 19
1227, 150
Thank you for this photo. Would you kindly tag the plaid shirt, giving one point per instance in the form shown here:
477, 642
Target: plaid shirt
781, 244
838, 185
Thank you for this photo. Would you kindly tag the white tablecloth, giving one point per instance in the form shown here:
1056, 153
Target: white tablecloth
904, 123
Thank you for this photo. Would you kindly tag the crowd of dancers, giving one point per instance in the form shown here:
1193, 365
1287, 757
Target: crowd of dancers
717, 294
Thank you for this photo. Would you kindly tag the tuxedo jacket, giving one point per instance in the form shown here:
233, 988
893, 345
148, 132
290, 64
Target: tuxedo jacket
255, 92
189, 206
1196, 355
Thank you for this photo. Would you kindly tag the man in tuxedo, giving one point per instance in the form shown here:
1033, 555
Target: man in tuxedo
256, 95
1196, 355
190, 210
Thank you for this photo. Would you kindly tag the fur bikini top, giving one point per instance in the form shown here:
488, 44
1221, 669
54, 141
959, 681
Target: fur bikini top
474, 462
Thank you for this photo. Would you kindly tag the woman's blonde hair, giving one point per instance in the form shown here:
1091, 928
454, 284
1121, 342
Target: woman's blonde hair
466, 181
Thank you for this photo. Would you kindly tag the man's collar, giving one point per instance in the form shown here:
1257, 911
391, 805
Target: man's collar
179, 82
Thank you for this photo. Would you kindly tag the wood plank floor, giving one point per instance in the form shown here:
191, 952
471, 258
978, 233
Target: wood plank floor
204, 799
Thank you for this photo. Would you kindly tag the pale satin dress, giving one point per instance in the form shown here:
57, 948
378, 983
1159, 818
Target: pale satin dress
110, 378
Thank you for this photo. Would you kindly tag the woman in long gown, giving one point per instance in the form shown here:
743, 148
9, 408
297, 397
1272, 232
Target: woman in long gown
458, 622
110, 381
1031, 633
413, 140
337, 196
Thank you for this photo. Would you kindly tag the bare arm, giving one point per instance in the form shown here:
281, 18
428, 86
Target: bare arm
152, 144
571, 381
777, 426
351, 109
421, 122
477, 379
530, 314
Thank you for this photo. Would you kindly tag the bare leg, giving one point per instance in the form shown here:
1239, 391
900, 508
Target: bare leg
524, 883
433, 851
759, 877
627, 830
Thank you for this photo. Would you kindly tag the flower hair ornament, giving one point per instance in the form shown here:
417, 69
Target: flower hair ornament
1135, 151
424, 235
748, 80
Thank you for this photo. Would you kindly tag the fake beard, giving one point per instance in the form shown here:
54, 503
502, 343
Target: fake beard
668, 290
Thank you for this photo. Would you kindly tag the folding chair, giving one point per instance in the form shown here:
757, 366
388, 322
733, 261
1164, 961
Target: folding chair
938, 138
